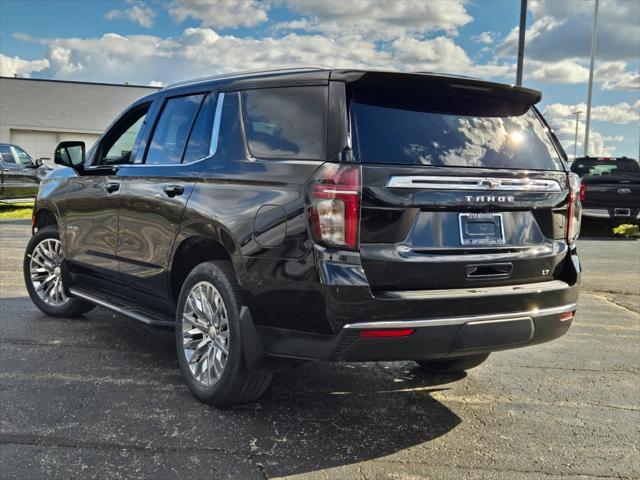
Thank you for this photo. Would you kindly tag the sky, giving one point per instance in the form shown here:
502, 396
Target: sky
151, 42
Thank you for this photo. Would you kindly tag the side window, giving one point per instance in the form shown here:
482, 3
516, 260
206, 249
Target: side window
6, 155
23, 157
172, 130
200, 138
118, 144
286, 122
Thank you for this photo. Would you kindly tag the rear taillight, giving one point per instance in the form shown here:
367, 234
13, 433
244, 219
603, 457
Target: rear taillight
334, 193
574, 214
583, 191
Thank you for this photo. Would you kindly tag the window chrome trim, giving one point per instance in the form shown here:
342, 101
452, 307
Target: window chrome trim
427, 182
215, 133
213, 145
438, 322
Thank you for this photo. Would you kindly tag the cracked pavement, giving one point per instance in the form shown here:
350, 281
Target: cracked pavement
101, 397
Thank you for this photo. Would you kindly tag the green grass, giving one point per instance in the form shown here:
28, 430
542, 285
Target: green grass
15, 211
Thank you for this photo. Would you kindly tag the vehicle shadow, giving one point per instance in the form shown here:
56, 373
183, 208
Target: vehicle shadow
330, 415
316, 416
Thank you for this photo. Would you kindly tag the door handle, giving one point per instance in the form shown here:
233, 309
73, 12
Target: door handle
112, 187
173, 190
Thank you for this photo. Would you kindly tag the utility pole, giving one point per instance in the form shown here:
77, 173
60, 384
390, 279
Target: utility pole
523, 27
594, 34
575, 141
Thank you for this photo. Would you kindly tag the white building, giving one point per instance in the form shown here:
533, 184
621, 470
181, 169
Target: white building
38, 114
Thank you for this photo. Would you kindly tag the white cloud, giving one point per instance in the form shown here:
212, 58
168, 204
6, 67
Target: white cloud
380, 20
616, 76
221, 13
565, 130
138, 13
509, 46
562, 30
563, 71
11, 66
202, 51
612, 75
485, 38
620, 113
562, 119
558, 42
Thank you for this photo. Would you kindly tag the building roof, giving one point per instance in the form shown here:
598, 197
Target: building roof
78, 82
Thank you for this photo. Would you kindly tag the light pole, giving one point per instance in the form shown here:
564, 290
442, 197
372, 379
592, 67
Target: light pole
523, 27
575, 141
594, 34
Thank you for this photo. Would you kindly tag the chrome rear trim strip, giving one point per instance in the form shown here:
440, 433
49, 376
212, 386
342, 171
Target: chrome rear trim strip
438, 322
595, 212
473, 183
477, 292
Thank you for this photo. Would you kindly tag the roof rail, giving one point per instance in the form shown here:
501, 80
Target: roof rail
291, 69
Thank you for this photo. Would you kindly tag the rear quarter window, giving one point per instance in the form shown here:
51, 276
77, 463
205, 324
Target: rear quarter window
286, 123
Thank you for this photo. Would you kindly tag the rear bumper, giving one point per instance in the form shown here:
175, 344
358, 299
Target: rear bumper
619, 213
443, 323
457, 336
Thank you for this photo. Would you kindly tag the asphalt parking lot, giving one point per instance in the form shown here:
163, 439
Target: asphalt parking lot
101, 397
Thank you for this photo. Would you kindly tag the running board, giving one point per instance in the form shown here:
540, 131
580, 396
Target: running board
123, 306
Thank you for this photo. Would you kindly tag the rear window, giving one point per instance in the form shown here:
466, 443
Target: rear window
287, 123
596, 167
411, 131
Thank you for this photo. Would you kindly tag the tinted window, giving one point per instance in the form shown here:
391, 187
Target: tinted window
285, 122
231, 141
121, 139
172, 130
410, 132
6, 155
200, 138
23, 157
595, 167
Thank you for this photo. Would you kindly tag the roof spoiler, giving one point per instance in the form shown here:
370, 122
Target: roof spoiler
446, 84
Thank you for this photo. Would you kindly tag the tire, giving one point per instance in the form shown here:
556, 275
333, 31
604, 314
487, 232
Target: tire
202, 335
454, 365
55, 303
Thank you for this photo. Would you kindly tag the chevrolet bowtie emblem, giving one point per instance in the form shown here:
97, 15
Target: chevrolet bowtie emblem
489, 183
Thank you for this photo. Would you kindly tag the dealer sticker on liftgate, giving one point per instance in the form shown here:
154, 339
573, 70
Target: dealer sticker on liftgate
481, 229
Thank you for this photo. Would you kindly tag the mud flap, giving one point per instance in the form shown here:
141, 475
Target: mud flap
256, 359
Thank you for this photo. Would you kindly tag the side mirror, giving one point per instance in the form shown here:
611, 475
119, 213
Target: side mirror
38, 162
70, 154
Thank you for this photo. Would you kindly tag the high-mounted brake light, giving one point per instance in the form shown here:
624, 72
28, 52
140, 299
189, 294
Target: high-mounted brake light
574, 213
334, 193
387, 333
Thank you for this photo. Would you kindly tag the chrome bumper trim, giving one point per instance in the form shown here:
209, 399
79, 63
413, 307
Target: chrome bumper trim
477, 292
595, 213
438, 322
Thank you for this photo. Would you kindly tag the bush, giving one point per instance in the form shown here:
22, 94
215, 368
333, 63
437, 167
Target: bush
627, 230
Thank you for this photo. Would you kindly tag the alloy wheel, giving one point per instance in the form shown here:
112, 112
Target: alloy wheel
46, 274
205, 333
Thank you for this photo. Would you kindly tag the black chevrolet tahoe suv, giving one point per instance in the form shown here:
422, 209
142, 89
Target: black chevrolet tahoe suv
282, 216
